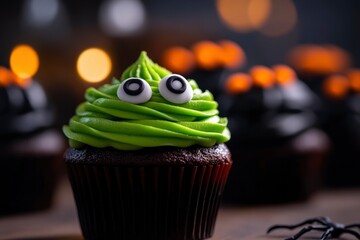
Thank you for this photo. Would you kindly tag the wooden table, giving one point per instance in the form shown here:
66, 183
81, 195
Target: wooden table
234, 222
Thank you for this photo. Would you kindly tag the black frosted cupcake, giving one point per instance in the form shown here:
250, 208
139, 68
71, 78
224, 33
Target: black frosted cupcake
315, 62
341, 122
147, 159
30, 148
279, 151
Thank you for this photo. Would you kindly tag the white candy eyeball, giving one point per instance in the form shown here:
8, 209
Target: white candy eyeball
134, 90
175, 88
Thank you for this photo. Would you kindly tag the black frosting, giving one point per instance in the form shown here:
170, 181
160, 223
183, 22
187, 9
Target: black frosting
269, 115
24, 110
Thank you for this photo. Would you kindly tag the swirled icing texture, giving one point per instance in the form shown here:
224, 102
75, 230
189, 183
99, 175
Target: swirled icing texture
106, 121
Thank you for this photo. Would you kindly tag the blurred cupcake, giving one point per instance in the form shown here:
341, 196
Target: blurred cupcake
315, 62
341, 122
277, 148
30, 148
147, 159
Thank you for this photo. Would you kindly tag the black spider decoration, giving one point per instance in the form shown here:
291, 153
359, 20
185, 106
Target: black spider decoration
323, 224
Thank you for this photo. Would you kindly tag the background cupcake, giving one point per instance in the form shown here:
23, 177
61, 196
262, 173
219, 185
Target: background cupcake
30, 148
147, 158
277, 147
315, 62
341, 123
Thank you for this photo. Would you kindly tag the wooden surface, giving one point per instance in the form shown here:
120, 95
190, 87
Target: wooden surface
234, 222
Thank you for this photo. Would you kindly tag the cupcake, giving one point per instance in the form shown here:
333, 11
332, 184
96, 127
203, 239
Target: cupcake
147, 157
31, 149
315, 62
341, 122
279, 151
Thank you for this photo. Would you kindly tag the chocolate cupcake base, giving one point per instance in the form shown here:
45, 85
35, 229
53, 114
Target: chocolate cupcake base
30, 169
287, 172
175, 197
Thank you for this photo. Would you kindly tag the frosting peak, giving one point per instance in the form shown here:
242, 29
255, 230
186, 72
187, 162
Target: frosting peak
146, 69
108, 120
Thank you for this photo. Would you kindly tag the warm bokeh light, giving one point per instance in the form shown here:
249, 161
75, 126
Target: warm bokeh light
284, 75
319, 59
282, 18
207, 55
243, 15
258, 12
238, 83
24, 61
232, 55
94, 65
178, 60
354, 79
336, 86
262, 76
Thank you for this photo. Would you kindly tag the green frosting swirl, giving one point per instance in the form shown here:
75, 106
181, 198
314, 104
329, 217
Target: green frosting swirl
106, 121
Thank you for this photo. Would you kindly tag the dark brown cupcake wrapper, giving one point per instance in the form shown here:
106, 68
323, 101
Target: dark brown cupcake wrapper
164, 202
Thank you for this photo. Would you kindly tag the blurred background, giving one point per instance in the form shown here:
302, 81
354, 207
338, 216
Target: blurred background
68, 46
267, 30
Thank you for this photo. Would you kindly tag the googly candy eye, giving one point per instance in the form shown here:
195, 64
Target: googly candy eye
134, 90
175, 88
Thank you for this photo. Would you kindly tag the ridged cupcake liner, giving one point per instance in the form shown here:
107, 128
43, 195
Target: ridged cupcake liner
164, 202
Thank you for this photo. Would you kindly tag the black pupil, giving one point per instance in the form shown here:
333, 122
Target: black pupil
133, 91
173, 81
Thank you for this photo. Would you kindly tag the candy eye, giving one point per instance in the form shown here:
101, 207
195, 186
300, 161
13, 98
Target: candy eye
175, 88
134, 90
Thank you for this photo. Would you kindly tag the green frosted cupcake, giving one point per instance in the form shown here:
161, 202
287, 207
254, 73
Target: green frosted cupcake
146, 157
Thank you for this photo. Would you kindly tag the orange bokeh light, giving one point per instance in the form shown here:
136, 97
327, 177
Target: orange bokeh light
207, 55
232, 55
94, 65
238, 83
243, 15
281, 20
178, 59
354, 79
24, 62
319, 59
284, 75
262, 76
259, 12
336, 86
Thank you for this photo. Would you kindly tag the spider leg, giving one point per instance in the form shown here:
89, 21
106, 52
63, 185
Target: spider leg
357, 235
353, 225
327, 234
320, 220
305, 230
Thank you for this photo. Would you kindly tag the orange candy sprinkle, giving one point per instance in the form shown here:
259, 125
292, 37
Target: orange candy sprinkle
7, 78
238, 83
262, 76
207, 54
232, 55
284, 75
354, 79
336, 86
178, 59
